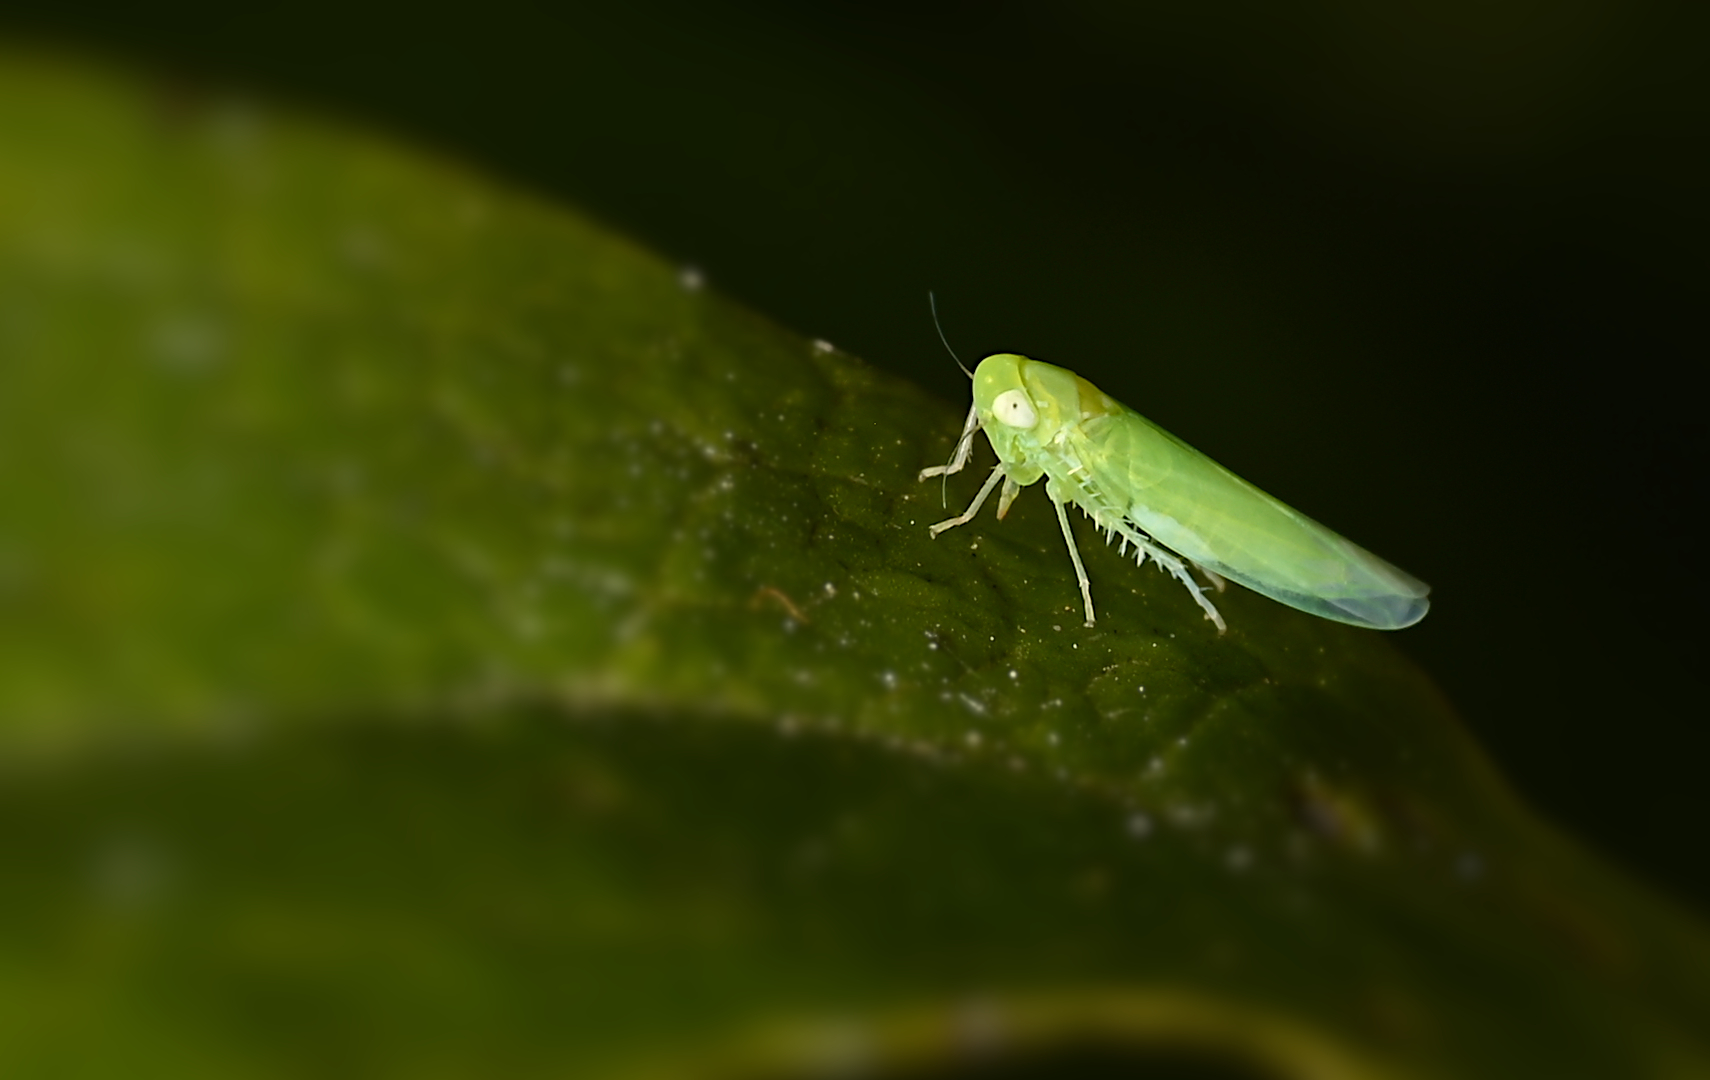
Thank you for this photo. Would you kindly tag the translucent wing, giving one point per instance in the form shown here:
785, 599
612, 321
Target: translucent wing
1205, 513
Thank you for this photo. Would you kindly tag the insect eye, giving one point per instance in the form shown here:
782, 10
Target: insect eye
1013, 408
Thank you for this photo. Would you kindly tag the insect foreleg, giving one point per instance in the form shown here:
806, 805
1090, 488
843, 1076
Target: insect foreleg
1074, 553
973, 507
964, 446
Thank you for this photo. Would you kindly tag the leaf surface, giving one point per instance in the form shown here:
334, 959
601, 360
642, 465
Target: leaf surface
437, 637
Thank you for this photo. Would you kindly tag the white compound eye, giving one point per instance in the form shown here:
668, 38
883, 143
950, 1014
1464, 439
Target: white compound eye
1013, 408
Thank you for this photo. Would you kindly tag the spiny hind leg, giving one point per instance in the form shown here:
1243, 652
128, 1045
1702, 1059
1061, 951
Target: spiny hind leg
973, 507
1177, 570
1074, 554
1180, 572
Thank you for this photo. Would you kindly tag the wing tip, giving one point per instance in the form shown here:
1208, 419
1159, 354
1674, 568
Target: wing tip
1392, 612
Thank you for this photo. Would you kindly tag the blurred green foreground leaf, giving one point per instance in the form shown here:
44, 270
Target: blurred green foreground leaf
437, 638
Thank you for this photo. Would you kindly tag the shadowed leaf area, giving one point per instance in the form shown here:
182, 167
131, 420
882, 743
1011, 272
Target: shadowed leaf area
439, 638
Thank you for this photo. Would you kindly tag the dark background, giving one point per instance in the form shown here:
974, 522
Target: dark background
1432, 272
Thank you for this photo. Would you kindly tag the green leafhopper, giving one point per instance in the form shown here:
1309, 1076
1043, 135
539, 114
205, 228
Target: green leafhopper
1168, 501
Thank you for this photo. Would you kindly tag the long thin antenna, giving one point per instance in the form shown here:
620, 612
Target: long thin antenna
958, 456
933, 302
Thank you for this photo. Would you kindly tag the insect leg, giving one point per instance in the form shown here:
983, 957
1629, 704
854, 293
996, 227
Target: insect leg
1182, 575
1178, 570
1074, 556
964, 446
973, 507
1215, 578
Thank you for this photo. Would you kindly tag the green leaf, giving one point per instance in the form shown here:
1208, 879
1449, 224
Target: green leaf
436, 637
